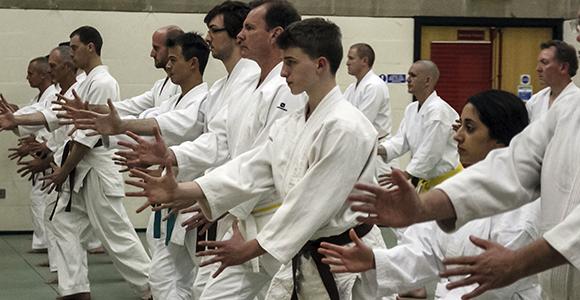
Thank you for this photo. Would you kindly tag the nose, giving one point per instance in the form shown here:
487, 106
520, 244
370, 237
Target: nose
241, 36
458, 135
284, 73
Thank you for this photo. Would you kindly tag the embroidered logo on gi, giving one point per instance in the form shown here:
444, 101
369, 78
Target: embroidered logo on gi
282, 106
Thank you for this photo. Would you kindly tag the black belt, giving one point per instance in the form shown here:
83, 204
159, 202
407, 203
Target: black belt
210, 235
71, 176
311, 249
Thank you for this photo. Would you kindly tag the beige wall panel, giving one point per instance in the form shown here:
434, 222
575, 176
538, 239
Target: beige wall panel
127, 38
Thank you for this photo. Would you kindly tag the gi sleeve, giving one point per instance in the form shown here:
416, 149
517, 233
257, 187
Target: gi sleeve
207, 151
397, 145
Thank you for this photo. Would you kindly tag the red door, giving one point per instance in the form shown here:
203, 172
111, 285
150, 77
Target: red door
465, 69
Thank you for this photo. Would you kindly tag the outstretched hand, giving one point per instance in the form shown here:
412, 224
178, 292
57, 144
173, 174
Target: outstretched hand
492, 269
398, 206
103, 124
143, 153
234, 251
348, 259
197, 220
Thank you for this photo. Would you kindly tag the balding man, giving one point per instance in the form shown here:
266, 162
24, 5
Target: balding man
162, 89
369, 93
425, 131
38, 76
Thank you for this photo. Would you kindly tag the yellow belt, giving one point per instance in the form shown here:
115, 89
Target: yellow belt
266, 209
425, 185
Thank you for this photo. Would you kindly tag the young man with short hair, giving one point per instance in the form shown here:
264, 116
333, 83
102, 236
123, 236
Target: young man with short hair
312, 159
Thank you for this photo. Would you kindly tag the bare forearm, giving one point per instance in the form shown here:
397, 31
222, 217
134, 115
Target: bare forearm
191, 191
436, 205
139, 126
76, 154
33, 119
537, 257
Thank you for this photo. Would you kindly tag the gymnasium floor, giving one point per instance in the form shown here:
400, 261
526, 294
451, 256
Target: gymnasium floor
22, 279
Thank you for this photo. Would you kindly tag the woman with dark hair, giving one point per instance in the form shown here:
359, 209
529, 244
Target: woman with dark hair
488, 121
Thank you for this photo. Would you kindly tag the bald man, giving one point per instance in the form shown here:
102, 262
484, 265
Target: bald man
425, 131
162, 89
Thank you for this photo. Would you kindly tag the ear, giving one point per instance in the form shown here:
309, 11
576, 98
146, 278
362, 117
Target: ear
565, 67
275, 33
91, 46
322, 64
194, 64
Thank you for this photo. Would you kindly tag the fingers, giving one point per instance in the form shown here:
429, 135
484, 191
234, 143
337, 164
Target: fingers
482, 288
460, 260
481, 243
369, 220
137, 173
222, 267
354, 237
330, 250
126, 145
459, 271
135, 137
364, 208
373, 189
143, 207
467, 281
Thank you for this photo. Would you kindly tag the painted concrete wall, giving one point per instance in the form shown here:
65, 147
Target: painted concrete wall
364, 8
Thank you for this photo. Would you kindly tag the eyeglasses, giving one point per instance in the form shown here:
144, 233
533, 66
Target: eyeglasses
575, 25
214, 30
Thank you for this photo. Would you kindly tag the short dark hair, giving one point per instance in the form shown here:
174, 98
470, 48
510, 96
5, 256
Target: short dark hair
88, 34
234, 13
41, 64
503, 113
278, 13
192, 45
316, 37
365, 50
565, 54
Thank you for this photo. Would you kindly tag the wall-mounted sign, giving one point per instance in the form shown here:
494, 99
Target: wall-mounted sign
470, 35
394, 78
525, 90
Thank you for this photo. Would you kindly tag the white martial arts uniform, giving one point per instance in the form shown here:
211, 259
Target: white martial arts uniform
427, 133
540, 101
97, 201
172, 271
162, 90
313, 165
37, 196
542, 160
371, 97
416, 260
248, 120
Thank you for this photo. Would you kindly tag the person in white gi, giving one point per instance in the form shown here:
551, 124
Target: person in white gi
179, 118
557, 64
541, 161
311, 158
489, 121
242, 124
94, 198
41, 118
369, 94
38, 76
425, 131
